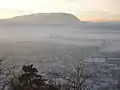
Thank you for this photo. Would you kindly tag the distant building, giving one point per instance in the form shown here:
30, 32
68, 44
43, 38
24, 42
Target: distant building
96, 59
112, 57
105, 57
113, 60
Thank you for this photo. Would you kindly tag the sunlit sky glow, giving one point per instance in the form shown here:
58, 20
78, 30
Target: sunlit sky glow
88, 10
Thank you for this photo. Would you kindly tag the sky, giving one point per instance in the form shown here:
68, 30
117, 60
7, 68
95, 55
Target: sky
86, 10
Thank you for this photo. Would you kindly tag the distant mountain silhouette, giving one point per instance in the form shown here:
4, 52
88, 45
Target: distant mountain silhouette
64, 19
43, 18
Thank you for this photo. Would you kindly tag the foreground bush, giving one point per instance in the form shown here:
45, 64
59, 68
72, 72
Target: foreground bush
31, 80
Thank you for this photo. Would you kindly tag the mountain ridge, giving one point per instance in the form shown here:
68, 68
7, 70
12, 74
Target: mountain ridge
44, 18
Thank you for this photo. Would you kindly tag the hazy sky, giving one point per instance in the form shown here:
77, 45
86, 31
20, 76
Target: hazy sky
84, 9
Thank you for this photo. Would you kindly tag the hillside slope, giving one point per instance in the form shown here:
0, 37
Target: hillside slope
43, 18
